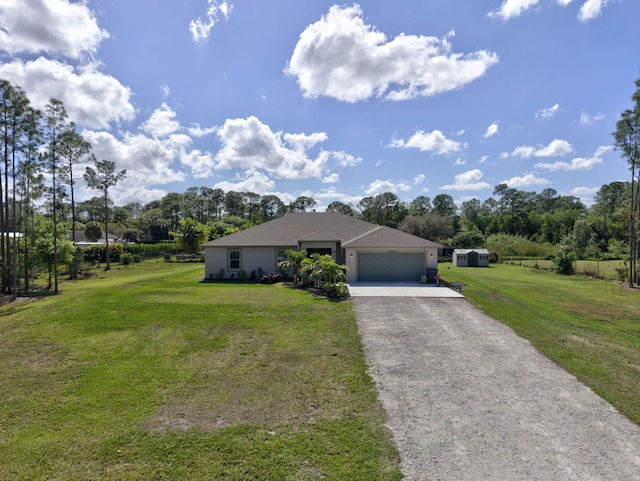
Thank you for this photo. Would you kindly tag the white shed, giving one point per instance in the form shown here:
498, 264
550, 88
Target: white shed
471, 257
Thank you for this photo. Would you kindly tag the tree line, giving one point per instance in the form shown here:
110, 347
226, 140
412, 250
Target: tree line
38, 207
39, 149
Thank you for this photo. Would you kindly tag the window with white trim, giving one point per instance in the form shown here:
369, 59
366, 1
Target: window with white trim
235, 260
281, 255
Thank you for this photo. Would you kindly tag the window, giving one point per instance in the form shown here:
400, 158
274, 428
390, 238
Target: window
234, 260
462, 257
281, 256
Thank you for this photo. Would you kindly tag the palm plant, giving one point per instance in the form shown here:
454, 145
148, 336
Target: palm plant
326, 272
294, 262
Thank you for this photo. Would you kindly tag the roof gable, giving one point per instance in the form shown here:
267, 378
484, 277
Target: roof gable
319, 237
385, 237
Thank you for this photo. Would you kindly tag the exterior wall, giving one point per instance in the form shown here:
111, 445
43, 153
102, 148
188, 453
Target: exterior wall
459, 260
351, 256
252, 258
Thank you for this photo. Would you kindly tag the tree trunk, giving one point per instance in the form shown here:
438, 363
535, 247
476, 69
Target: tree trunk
106, 230
632, 229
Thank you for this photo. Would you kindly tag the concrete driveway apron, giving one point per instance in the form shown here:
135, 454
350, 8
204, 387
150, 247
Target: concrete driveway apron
468, 399
400, 289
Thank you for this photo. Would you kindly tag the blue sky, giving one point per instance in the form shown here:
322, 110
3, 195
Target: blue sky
335, 101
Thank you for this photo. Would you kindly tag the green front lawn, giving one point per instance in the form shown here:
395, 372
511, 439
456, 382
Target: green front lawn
589, 327
146, 373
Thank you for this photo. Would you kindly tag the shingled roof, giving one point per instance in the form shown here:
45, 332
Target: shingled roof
286, 231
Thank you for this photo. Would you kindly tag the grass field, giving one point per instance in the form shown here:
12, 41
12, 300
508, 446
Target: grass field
144, 373
594, 268
590, 327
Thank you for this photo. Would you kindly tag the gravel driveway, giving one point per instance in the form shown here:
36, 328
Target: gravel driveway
468, 399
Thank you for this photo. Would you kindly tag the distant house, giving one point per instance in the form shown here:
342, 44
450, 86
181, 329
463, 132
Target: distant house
82, 241
470, 258
371, 252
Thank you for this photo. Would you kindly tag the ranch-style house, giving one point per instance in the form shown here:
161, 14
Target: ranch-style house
371, 252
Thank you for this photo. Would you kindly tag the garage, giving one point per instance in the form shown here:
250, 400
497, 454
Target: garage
390, 266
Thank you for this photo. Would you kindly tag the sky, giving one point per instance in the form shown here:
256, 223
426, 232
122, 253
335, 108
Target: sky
335, 101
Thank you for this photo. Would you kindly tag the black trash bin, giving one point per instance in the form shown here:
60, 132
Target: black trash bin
431, 274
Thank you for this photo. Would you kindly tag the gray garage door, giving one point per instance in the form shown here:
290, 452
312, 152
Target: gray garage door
390, 266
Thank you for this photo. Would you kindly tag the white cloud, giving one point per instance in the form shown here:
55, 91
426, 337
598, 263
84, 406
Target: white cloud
556, 148
161, 123
302, 142
91, 98
483, 159
419, 179
346, 160
250, 144
201, 163
524, 151
584, 191
331, 179
491, 130
524, 181
548, 113
196, 131
332, 194
381, 186
166, 90
513, 8
586, 194
579, 163
591, 9
147, 160
434, 141
249, 181
587, 119
342, 57
460, 161
54, 27
201, 29
125, 192
470, 180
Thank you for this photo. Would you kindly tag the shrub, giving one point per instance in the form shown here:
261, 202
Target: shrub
622, 271
98, 252
127, 259
151, 250
564, 260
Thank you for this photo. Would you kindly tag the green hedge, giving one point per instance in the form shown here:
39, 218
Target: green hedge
98, 252
151, 250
